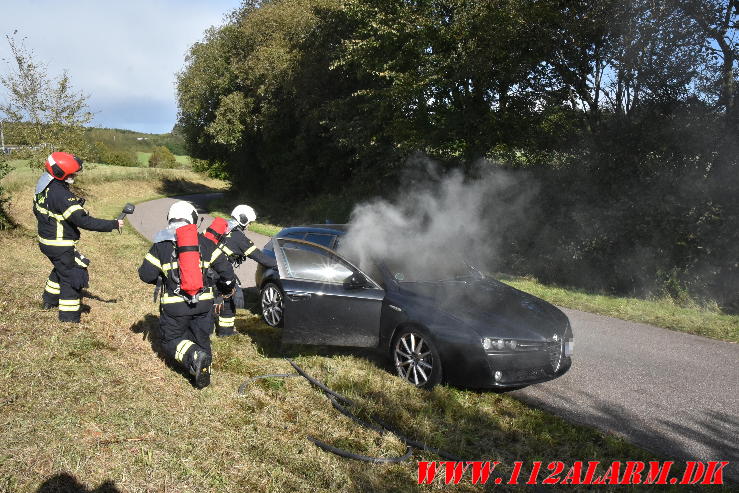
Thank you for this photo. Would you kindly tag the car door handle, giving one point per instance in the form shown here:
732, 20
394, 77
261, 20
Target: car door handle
298, 296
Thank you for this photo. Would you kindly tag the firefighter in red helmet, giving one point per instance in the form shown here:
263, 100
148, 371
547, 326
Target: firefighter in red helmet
61, 215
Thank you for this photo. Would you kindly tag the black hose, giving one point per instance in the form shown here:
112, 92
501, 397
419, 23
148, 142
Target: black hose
364, 458
383, 427
355, 418
415, 443
318, 384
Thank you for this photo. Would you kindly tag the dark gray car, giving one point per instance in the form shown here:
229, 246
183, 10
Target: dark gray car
469, 330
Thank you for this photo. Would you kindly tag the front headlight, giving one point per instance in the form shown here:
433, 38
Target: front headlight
492, 344
569, 347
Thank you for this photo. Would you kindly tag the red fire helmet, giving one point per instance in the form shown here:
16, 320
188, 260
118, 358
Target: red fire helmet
61, 164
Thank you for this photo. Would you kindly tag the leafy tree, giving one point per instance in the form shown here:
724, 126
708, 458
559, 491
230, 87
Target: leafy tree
47, 113
621, 113
161, 157
718, 21
41, 114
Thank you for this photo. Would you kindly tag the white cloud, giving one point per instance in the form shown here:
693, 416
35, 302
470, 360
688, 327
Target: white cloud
119, 53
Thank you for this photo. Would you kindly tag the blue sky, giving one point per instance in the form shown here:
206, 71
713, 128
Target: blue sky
124, 55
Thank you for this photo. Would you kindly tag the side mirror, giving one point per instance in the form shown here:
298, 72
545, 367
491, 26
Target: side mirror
355, 281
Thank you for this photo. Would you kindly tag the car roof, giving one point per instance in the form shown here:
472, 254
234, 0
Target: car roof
337, 229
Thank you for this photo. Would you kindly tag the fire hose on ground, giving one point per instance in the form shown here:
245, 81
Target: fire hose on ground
341, 404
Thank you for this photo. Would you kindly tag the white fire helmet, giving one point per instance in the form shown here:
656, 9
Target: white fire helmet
243, 214
182, 211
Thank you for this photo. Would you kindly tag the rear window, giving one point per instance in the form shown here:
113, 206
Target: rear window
322, 239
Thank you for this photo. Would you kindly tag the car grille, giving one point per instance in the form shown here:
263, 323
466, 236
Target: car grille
554, 349
517, 376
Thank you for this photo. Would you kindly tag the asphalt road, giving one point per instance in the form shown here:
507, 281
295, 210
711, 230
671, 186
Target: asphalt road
672, 393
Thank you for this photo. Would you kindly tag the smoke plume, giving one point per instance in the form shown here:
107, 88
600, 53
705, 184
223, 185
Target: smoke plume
440, 221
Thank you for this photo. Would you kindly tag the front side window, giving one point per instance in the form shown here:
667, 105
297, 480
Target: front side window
313, 264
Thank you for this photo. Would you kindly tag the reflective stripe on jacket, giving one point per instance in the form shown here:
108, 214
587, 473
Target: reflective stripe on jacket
61, 214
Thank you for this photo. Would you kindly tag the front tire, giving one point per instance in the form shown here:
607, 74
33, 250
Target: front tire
271, 301
416, 358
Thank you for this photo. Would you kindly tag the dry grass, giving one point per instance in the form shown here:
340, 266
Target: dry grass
94, 401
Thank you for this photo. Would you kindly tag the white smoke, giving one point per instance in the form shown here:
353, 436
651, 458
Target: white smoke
439, 222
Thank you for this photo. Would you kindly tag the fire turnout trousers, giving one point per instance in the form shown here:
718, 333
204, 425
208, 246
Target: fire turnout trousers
227, 319
182, 335
66, 281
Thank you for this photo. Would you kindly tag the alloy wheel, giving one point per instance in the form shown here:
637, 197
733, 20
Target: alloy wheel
272, 305
414, 360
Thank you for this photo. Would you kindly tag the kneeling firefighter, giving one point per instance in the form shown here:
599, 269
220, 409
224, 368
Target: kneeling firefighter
179, 259
230, 238
60, 215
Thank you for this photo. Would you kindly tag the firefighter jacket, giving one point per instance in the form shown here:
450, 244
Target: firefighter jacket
160, 264
237, 246
61, 214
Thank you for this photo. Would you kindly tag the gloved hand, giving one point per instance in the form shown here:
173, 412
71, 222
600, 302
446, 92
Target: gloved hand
226, 287
227, 296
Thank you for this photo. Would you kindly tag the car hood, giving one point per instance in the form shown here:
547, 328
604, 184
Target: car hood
491, 308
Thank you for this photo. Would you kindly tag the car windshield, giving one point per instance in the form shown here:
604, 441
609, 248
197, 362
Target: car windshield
457, 271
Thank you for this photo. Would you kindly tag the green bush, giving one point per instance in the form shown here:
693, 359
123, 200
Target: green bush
213, 169
161, 157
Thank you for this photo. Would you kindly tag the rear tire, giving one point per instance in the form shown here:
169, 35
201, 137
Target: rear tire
416, 359
271, 300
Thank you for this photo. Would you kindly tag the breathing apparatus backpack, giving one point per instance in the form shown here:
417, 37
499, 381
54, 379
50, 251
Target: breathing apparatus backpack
189, 273
216, 232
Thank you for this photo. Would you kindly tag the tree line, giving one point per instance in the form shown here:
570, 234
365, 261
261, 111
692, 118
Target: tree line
622, 114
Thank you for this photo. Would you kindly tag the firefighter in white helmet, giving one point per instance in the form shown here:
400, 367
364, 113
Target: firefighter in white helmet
179, 259
237, 247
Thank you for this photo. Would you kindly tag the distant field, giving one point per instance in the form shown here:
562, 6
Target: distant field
143, 157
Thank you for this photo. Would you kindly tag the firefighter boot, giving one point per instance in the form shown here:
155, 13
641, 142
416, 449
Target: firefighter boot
200, 368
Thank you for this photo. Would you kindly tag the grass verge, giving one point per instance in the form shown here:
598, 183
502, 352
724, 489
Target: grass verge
92, 404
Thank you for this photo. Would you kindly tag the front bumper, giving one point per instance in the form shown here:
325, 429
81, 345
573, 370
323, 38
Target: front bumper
475, 368
511, 370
